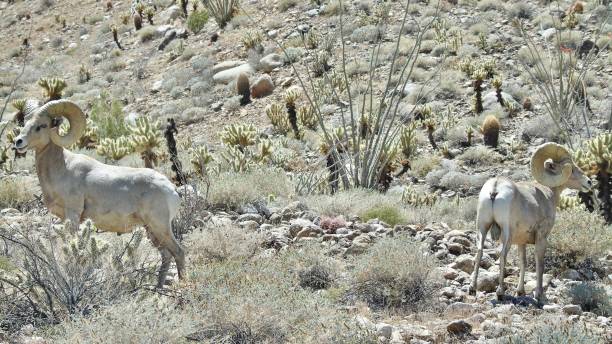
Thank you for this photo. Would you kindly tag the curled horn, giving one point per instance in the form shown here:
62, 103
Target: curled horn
75, 116
559, 155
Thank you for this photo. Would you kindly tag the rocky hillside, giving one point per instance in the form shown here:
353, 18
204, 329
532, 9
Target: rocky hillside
331, 153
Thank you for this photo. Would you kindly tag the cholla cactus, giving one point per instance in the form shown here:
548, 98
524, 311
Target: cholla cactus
365, 126
321, 64
90, 136
149, 13
114, 149
388, 159
306, 117
430, 125
19, 105
470, 135
479, 75
278, 118
52, 87
145, 139
407, 140
84, 74
569, 202
238, 160
81, 247
411, 197
200, 160
115, 32
596, 160
497, 83
312, 39
240, 136
291, 97
265, 149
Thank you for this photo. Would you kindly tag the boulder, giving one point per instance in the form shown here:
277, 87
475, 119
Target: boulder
464, 262
168, 15
487, 281
489, 101
572, 310
225, 65
262, 87
228, 75
271, 61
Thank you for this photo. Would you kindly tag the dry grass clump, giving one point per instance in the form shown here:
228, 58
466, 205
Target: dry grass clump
349, 203
580, 233
231, 189
384, 284
14, 192
480, 156
222, 243
388, 214
554, 331
424, 164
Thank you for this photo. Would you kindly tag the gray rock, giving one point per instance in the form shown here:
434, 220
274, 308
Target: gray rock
262, 87
271, 61
168, 15
548, 33
297, 225
249, 225
464, 262
487, 281
169, 36
384, 330
313, 12
459, 328
410, 88
156, 87
551, 308
162, 29
572, 310
571, 274
360, 245
225, 65
489, 101
228, 75
461, 308
250, 217
454, 248
450, 274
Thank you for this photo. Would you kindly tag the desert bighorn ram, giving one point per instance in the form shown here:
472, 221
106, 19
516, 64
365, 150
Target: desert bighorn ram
524, 213
76, 187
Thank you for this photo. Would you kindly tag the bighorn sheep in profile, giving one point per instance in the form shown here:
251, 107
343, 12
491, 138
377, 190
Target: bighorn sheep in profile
524, 213
76, 187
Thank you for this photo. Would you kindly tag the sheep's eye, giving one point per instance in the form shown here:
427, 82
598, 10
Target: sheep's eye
40, 127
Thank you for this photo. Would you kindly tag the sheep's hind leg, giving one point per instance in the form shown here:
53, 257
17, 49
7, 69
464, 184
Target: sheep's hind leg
482, 236
164, 267
501, 289
520, 291
166, 240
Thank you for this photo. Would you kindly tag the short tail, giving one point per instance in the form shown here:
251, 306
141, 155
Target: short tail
495, 232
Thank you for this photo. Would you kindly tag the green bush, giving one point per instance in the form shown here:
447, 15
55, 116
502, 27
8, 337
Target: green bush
386, 213
197, 20
395, 274
591, 298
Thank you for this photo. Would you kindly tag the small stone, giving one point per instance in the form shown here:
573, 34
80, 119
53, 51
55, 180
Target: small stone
455, 249
459, 328
572, 310
551, 308
262, 87
249, 225
571, 274
461, 308
450, 274
225, 65
9, 211
384, 330
168, 15
273, 33
250, 217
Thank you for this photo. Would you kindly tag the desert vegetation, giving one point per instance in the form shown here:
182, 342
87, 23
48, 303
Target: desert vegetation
328, 156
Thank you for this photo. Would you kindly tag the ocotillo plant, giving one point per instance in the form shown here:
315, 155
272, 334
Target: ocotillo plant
171, 143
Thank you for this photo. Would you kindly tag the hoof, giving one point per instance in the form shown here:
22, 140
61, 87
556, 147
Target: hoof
472, 291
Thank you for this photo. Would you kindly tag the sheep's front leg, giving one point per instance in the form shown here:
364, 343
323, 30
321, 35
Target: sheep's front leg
473, 287
501, 289
522, 251
540, 250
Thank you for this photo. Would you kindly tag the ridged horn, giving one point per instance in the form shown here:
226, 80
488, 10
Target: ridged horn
557, 154
75, 116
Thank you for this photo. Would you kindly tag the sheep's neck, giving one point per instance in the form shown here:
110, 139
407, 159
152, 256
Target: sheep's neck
557, 194
49, 161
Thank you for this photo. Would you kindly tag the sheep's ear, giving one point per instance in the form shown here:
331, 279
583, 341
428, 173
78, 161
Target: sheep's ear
55, 122
551, 166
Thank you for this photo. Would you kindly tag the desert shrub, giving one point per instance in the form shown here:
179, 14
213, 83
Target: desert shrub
383, 284
14, 192
197, 20
315, 277
520, 10
580, 233
132, 320
107, 115
349, 202
146, 34
490, 5
231, 189
591, 297
222, 243
257, 302
458, 213
423, 164
554, 331
287, 4
386, 213
57, 273
479, 156
334, 8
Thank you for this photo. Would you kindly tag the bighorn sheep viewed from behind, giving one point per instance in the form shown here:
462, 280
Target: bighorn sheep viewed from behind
76, 187
524, 213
